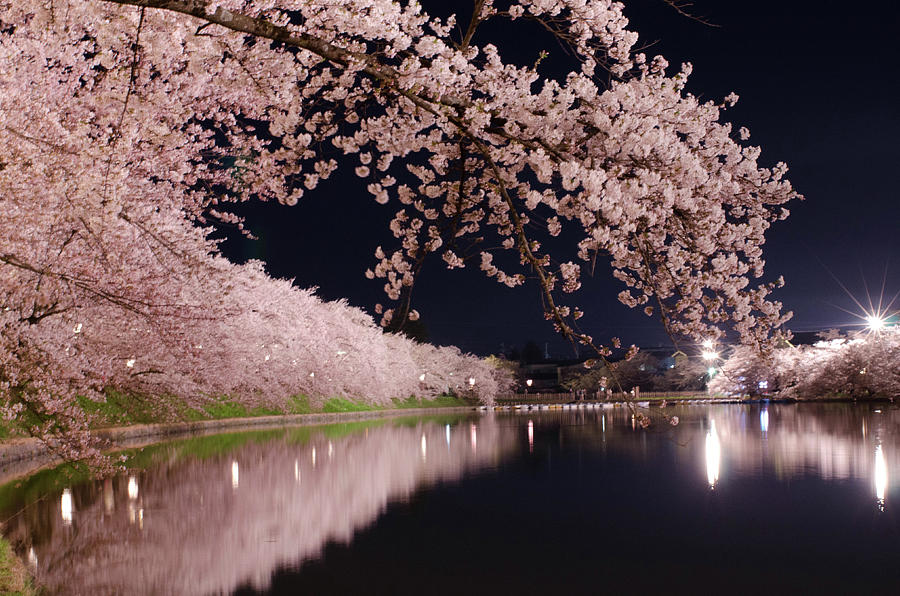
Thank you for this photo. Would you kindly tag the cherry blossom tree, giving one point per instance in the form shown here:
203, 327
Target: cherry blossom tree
129, 126
861, 365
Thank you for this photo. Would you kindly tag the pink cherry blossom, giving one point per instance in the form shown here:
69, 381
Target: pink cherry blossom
129, 127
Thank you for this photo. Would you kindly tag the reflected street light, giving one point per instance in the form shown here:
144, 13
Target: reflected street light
713, 455
65, 507
881, 479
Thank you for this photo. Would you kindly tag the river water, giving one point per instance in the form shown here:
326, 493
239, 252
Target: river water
734, 498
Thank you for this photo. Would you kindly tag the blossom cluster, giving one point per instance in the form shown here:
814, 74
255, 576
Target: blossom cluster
129, 127
857, 365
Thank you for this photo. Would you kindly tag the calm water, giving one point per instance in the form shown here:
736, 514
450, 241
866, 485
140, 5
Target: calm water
736, 499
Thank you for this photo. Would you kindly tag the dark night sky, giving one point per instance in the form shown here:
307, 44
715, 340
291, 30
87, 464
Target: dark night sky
818, 90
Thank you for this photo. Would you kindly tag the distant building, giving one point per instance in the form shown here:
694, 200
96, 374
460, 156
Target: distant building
544, 376
548, 376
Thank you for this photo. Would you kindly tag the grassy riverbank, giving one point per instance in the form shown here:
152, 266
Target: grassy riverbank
14, 578
126, 409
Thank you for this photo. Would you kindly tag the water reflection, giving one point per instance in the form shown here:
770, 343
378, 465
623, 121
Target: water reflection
189, 527
881, 478
812, 440
213, 521
65, 507
820, 441
109, 499
713, 455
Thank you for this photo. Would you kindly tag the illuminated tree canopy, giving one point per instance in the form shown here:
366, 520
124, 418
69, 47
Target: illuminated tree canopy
130, 125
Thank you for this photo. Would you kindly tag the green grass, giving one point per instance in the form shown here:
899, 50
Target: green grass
442, 401
340, 404
14, 578
125, 409
130, 408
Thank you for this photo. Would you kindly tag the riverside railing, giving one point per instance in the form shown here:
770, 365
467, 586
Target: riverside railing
551, 398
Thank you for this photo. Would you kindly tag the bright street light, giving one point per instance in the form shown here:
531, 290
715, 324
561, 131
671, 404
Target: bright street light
710, 355
875, 323
708, 344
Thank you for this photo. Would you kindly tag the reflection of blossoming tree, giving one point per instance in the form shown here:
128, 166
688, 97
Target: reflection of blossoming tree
207, 526
123, 118
830, 444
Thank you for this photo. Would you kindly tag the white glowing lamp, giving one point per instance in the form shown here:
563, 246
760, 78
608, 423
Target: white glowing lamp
875, 323
710, 355
529, 382
471, 381
708, 344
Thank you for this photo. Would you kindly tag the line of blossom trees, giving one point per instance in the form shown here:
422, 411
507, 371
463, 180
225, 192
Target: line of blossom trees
861, 365
128, 127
